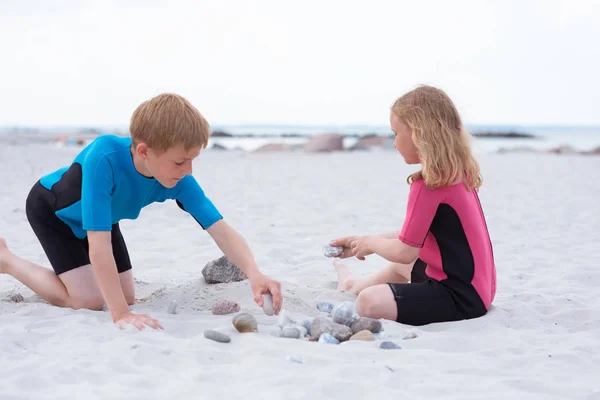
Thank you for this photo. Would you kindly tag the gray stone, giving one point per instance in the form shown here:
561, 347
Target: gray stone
328, 338
307, 324
290, 333
322, 325
284, 319
344, 313
389, 346
409, 335
172, 308
332, 251
324, 306
224, 307
222, 270
268, 304
370, 324
216, 336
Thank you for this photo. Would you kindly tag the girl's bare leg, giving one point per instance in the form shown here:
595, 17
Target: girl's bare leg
392, 273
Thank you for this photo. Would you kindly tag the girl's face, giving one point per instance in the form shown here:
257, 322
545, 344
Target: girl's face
403, 140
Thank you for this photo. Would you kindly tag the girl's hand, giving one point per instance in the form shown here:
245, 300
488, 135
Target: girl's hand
345, 242
138, 320
361, 246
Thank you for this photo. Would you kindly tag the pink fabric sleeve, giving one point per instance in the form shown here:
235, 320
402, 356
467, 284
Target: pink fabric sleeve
422, 206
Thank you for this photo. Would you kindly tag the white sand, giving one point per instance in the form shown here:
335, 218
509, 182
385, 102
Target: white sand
540, 340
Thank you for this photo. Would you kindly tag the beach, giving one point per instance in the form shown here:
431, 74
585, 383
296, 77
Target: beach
540, 339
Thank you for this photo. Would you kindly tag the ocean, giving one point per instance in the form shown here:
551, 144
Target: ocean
250, 137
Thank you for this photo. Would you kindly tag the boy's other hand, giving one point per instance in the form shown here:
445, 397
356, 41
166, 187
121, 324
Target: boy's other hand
346, 243
263, 284
138, 320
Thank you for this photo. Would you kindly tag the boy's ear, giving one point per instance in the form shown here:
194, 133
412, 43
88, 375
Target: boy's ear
142, 150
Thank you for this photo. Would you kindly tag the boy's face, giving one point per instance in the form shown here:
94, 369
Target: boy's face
169, 167
403, 141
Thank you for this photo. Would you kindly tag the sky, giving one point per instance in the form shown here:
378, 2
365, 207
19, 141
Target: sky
310, 62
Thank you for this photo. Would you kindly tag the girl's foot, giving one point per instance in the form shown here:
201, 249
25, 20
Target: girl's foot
345, 278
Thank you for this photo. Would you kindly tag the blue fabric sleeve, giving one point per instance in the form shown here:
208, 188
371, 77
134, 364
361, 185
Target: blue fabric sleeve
192, 199
96, 189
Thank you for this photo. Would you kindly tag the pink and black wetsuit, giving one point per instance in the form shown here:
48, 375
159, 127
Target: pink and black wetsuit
454, 277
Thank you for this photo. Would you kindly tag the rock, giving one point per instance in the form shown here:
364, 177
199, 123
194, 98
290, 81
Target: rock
222, 270
379, 142
564, 149
328, 338
321, 325
290, 332
325, 307
285, 320
325, 142
344, 313
268, 304
370, 324
389, 346
245, 322
216, 336
363, 335
172, 308
409, 335
303, 330
307, 324
380, 335
224, 307
332, 251
295, 359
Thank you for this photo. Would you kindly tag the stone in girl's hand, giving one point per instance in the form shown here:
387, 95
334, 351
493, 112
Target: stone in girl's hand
332, 251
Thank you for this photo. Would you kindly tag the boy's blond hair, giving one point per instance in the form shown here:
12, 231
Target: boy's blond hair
169, 120
442, 142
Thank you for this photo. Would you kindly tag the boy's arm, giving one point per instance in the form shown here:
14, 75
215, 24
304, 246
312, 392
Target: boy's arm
107, 277
105, 271
235, 248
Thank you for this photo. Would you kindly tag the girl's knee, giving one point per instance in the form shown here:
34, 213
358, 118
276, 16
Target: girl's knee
376, 302
90, 303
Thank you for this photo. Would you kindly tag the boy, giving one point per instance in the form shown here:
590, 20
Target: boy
75, 212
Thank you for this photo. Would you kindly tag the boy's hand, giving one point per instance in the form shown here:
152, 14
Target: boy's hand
262, 284
138, 320
361, 246
346, 243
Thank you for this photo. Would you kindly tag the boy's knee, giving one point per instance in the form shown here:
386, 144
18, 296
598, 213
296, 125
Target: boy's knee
91, 303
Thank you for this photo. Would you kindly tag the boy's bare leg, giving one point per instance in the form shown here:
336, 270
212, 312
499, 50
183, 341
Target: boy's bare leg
392, 273
76, 288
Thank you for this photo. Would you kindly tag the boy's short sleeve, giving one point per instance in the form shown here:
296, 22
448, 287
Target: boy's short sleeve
420, 211
192, 199
96, 189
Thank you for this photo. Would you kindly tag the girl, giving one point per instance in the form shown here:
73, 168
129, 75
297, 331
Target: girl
443, 247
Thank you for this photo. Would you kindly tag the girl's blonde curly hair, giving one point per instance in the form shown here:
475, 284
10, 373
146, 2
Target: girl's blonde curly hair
442, 142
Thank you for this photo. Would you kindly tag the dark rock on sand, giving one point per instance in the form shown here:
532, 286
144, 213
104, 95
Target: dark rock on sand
322, 325
370, 324
216, 336
222, 270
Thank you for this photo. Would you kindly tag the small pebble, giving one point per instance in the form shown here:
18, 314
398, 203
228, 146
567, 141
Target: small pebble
284, 319
325, 307
290, 333
409, 335
379, 335
332, 251
328, 338
172, 308
344, 313
295, 359
268, 304
302, 329
216, 336
389, 346
307, 324
224, 307
363, 335
245, 322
